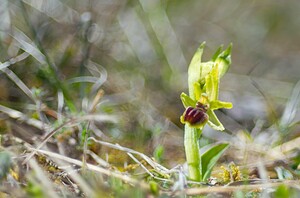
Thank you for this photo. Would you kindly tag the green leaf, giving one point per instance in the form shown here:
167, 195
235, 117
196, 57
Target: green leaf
210, 158
187, 101
217, 104
214, 122
194, 69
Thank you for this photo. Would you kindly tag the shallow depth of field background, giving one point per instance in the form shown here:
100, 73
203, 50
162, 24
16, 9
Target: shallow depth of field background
144, 47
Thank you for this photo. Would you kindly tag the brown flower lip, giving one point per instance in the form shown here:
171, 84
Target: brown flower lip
195, 116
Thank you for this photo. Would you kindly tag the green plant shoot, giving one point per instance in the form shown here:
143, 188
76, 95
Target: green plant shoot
203, 84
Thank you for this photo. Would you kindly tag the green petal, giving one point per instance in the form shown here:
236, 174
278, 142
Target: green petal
217, 104
212, 84
187, 101
197, 91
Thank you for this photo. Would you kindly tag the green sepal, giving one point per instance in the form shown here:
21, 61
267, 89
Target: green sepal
214, 122
217, 53
224, 60
210, 158
194, 69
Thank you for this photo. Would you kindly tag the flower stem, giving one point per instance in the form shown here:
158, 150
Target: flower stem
192, 152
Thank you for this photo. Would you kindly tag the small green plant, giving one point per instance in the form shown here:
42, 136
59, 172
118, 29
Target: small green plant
203, 84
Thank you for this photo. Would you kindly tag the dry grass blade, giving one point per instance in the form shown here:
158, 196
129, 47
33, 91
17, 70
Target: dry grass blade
98, 169
154, 165
287, 147
70, 122
27, 45
55, 9
291, 107
96, 100
163, 27
99, 160
43, 179
14, 60
138, 162
46, 138
4, 68
148, 172
99, 72
80, 181
19, 83
22, 117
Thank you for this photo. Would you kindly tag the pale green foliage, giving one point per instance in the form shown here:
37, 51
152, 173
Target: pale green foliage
203, 83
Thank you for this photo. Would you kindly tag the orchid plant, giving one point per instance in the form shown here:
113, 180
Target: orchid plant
200, 104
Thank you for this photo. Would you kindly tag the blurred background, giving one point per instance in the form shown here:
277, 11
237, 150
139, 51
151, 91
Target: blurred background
140, 49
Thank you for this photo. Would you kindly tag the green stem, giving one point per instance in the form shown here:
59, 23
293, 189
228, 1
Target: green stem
192, 152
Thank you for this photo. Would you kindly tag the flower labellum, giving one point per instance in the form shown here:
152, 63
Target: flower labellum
195, 117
